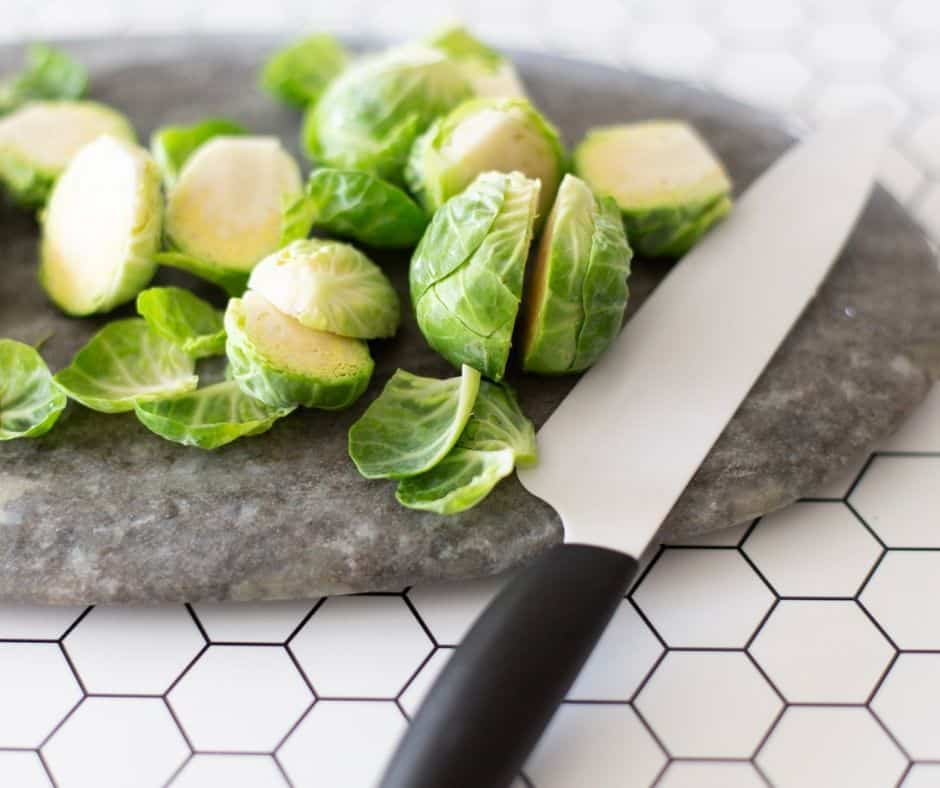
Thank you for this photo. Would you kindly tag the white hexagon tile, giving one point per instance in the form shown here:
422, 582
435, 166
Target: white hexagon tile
799, 650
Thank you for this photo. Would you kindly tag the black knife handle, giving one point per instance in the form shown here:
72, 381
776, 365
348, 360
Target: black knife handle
492, 701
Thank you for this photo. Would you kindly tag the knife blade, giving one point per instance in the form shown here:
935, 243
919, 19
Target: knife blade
620, 449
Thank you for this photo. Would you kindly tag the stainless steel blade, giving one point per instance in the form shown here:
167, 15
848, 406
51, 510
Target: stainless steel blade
620, 449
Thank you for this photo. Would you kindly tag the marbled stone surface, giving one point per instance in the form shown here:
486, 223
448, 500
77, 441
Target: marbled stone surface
101, 510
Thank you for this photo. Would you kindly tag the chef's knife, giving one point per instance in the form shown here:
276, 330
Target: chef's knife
617, 453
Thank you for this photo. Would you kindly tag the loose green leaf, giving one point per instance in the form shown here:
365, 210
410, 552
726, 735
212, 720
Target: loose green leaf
185, 319
356, 205
126, 363
209, 417
30, 404
412, 424
49, 74
299, 73
172, 146
231, 281
329, 286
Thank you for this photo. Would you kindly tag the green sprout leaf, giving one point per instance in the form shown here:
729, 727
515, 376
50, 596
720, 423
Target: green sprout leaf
412, 424
209, 417
49, 74
299, 73
126, 363
30, 404
185, 319
233, 282
172, 146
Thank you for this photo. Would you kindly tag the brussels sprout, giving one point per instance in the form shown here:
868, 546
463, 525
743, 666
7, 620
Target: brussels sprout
126, 363
283, 363
49, 74
299, 73
669, 185
30, 404
412, 424
356, 205
480, 135
39, 139
466, 297
329, 286
184, 319
101, 228
171, 146
577, 290
489, 73
371, 114
497, 437
209, 417
224, 211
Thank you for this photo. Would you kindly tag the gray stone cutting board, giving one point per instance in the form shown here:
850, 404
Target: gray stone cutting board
100, 510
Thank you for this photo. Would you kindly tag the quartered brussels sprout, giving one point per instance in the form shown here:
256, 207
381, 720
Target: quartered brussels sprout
412, 424
49, 74
356, 205
184, 319
329, 286
299, 73
489, 73
496, 439
371, 114
39, 139
224, 211
669, 185
577, 290
171, 146
101, 228
209, 417
30, 403
467, 273
283, 363
124, 364
481, 135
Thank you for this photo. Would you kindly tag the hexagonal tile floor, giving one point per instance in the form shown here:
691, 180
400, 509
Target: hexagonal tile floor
800, 650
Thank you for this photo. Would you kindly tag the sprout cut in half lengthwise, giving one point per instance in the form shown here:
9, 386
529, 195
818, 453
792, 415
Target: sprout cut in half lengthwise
577, 289
670, 187
101, 228
172, 146
283, 363
490, 74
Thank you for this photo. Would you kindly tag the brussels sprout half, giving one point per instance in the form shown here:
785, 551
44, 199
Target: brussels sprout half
185, 319
467, 273
371, 114
577, 290
224, 211
299, 73
101, 228
671, 188
30, 403
481, 135
490, 74
171, 146
38, 140
283, 363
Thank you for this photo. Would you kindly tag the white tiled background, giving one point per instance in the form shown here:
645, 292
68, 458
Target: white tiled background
802, 650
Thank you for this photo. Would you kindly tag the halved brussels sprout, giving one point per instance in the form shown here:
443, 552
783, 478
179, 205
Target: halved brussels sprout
329, 286
466, 296
224, 211
371, 114
412, 424
356, 205
490, 74
30, 403
577, 290
39, 139
505, 135
171, 146
185, 319
101, 228
671, 188
49, 74
209, 417
283, 363
299, 73
126, 363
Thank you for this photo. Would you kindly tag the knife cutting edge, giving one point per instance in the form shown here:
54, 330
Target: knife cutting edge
620, 449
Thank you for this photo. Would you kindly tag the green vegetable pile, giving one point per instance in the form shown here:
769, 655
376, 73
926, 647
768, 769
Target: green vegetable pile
432, 146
